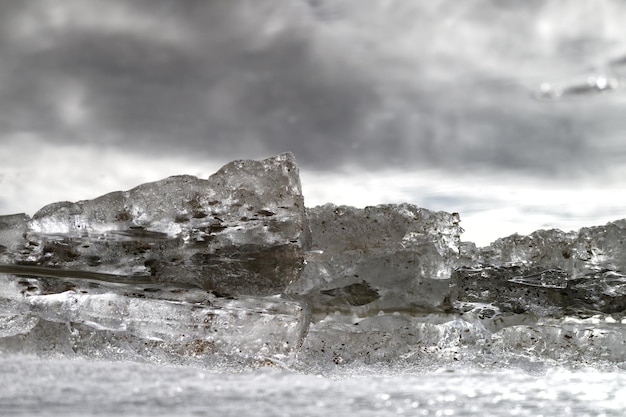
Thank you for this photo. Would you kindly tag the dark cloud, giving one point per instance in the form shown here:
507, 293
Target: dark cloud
410, 85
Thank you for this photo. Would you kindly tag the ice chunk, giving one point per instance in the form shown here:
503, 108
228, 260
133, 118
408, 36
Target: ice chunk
591, 249
564, 342
387, 257
391, 338
542, 292
491, 290
190, 265
249, 327
403, 340
547, 273
242, 231
12, 322
13, 236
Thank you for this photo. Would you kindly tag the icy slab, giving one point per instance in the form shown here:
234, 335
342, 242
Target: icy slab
387, 257
182, 322
432, 340
547, 273
388, 339
241, 232
491, 290
550, 297
178, 268
589, 250
562, 341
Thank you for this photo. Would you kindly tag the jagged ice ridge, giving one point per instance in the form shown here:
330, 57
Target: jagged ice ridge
234, 270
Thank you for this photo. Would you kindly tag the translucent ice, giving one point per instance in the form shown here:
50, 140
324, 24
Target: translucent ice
542, 297
191, 319
234, 269
189, 265
589, 250
547, 273
387, 257
542, 292
242, 231
432, 340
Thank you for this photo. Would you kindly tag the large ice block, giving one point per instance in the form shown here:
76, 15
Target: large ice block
387, 257
241, 232
234, 270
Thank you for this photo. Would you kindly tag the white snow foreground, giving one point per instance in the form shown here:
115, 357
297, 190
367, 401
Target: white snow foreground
235, 271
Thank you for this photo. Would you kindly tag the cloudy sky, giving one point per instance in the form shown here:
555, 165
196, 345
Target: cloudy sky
511, 113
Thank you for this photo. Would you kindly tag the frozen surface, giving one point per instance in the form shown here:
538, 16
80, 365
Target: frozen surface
31, 386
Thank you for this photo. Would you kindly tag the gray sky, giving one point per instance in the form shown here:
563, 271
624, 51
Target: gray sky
505, 111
